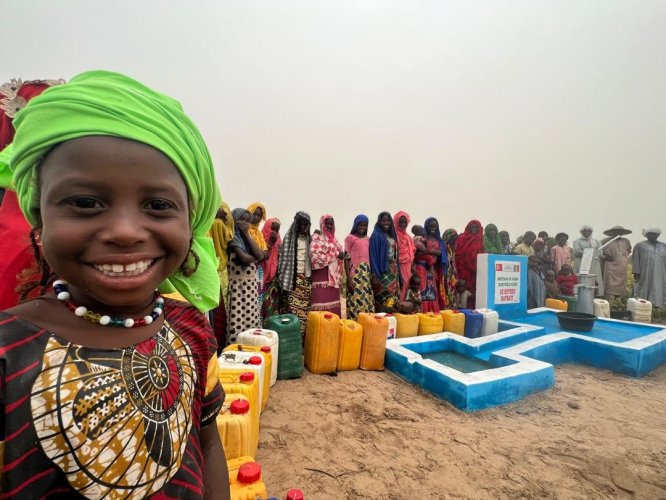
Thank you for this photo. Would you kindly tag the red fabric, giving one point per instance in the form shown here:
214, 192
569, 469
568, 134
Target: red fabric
468, 246
324, 251
270, 265
566, 283
406, 252
15, 251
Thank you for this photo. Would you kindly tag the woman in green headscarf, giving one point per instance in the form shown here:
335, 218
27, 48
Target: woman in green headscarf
120, 189
491, 240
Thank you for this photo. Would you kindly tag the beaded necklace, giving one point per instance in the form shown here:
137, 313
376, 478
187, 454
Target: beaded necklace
60, 288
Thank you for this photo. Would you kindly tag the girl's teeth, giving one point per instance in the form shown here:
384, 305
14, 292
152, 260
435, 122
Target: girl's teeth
132, 269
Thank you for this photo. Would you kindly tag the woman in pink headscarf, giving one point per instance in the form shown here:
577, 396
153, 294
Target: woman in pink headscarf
406, 251
326, 255
270, 299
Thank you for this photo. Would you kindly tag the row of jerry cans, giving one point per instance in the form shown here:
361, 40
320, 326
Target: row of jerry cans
467, 322
332, 344
246, 481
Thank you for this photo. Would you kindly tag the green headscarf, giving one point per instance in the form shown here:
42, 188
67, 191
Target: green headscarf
492, 245
105, 103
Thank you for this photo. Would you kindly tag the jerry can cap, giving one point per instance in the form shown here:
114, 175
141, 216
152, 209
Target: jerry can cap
265, 348
257, 332
328, 315
247, 377
255, 360
249, 473
239, 407
295, 494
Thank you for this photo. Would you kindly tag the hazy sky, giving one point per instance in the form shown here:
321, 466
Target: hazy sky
529, 114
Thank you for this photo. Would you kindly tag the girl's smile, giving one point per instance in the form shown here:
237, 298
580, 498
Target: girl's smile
115, 220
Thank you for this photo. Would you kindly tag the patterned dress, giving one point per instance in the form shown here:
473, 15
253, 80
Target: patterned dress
387, 288
243, 312
112, 423
360, 300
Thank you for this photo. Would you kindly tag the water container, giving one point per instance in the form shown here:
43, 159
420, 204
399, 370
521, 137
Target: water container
322, 339
295, 494
473, 323
560, 305
490, 321
245, 479
264, 351
571, 300
407, 325
601, 308
641, 309
373, 347
430, 323
392, 324
290, 355
248, 361
235, 426
261, 337
454, 321
351, 339
246, 384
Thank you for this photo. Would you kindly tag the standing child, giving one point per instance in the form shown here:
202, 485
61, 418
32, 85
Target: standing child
106, 389
413, 295
552, 288
462, 295
566, 279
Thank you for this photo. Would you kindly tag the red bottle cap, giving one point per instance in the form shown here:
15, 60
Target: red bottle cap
239, 407
295, 494
258, 332
249, 473
328, 315
255, 360
247, 377
265, 348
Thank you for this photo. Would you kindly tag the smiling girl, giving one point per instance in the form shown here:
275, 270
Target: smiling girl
109, 390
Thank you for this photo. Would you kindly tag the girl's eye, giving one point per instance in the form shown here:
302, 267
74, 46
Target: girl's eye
85, 202
159, 205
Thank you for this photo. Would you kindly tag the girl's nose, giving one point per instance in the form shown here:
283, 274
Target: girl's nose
124, 227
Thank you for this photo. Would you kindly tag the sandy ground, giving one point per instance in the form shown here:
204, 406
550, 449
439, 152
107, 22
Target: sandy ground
370, 435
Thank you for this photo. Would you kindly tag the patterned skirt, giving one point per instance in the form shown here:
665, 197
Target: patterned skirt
361, 299
270, 300
243, 311
298, 301
324, 297
387, 289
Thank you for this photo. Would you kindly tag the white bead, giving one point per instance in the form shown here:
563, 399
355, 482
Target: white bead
129, 323
148, 319
64, 296
58, 282
157, 311
80, 311
104, 320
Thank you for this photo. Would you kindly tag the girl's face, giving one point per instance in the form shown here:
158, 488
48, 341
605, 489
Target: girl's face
402, 222
385, 223
473, 229
432, 228
115, 221
256, 216
504, 238
492, 232
329, 224
362, 228
275, 226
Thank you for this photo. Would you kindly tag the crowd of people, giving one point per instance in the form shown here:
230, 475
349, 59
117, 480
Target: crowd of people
394, 268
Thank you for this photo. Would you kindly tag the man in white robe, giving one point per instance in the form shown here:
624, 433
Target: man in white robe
579, 245
649, 268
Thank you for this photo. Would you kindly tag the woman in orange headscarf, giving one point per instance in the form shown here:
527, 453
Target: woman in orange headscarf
406, 250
